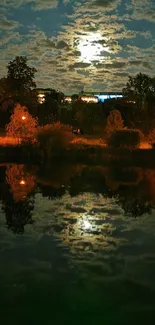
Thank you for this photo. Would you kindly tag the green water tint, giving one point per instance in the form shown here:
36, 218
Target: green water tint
77, 245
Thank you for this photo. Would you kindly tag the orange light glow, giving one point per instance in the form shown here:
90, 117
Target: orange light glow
22, 182
23, 117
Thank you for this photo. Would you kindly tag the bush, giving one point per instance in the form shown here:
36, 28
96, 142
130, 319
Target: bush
129, 138
53, 138
22, 125
114, 122
151, 138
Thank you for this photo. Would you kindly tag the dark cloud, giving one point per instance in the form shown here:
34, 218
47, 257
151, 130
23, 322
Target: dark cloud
6, 24
113, 65
105, 4
145, 64
79, 65
143, 10
121, 74
62, 45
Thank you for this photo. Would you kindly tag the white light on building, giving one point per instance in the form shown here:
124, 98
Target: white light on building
41, 98
90, 99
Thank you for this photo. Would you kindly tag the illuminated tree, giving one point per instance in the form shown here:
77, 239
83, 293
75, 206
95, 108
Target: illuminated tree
151, 137
114, 122
22, 125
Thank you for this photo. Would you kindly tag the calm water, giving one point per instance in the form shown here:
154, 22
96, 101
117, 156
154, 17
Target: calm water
77, 245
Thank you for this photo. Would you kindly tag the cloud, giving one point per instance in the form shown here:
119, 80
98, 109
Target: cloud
145, 64
45, 4
112, 65
143, 10
54, 51
10, 36
62, 45
79, 65
6, 24
36, 4
105, 4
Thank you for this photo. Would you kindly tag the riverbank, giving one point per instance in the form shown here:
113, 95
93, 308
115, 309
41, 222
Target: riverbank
90, 155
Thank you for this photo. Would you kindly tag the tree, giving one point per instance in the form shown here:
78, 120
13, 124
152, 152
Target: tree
6, 102
50, 110
140, 88
20, 76
74, 97
17, 87
114, 122
22, 125
87, 115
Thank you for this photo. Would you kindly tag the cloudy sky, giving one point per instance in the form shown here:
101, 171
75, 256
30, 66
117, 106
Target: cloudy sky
75, 45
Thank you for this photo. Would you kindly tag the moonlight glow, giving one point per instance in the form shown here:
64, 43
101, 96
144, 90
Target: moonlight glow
91, 48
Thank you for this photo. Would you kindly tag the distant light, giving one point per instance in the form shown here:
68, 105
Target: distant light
103, 97
23, 117
41, 98
68, 99
22, 182
89, 99
41, 95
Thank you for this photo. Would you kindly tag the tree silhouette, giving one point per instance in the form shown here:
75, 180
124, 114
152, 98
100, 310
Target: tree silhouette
50, 110
20, 76
140, 88
17, 87
17, 213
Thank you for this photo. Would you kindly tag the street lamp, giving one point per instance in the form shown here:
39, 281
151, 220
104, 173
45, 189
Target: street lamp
22, 182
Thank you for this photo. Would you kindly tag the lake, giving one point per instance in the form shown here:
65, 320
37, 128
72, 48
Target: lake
77, 245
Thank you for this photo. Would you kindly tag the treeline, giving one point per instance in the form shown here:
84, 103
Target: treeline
137, 108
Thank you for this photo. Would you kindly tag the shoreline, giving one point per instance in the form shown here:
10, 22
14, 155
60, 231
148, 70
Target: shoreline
92, 155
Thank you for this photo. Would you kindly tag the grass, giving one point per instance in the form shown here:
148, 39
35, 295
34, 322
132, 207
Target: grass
88, 142
80, 141
9, 141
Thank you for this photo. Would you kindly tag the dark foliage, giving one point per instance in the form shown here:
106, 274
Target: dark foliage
125, 138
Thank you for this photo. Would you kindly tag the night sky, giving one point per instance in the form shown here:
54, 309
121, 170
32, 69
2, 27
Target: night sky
92, 45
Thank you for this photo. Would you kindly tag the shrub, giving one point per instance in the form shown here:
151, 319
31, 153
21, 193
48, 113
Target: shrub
114, 122
53, 138
22, 125
151, 137
125, 138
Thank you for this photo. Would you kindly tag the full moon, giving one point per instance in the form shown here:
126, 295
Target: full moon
90, 48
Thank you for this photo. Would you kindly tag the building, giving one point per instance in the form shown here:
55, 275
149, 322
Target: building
102, 96
88, 97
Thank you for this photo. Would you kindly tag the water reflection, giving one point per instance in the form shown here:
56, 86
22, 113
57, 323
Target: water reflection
20, 181
18, 213
89, 243
132, 189
18, 197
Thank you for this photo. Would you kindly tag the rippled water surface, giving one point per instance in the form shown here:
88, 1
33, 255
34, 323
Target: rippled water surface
77, 245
